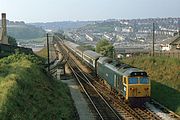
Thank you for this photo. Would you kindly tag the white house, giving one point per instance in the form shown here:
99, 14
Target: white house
165, 47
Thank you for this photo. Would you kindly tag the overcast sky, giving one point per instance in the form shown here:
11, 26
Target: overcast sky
65, 10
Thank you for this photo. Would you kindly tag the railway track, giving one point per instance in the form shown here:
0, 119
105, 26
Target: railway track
125, 110
102, 109
96, 93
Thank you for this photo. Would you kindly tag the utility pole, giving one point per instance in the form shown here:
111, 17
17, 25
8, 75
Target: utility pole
153, 38
48, 52
179, 27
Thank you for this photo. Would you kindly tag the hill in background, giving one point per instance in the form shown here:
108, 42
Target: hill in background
62, 25
21, 30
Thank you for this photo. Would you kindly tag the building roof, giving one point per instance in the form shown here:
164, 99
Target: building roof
175, 40
71, 44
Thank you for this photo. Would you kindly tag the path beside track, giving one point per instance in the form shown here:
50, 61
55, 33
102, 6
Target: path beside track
79, 100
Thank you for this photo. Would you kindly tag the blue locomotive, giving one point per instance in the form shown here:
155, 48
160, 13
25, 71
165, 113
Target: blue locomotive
130, 82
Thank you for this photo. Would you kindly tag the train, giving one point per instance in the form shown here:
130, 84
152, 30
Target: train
124, 80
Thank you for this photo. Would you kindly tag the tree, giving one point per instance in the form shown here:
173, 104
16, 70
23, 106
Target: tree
12, 41
105, 48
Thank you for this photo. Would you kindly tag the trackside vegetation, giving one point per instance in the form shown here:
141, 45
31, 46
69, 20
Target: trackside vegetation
164, 73
28, 93
42, 53
105, 48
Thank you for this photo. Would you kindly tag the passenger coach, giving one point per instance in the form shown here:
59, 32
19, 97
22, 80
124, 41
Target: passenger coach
91, 57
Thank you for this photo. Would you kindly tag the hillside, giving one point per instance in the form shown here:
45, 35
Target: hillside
27, 93
25, 31
64, 25
21, 30
165, 75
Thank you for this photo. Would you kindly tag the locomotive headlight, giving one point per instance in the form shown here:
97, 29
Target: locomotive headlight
146, 88
133, 89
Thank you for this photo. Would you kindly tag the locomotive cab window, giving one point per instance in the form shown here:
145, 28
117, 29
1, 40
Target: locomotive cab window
133, 80
144, 80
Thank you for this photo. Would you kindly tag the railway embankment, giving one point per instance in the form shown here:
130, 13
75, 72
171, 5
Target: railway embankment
28, 93
164, 73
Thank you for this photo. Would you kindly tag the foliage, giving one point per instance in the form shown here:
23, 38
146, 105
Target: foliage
165, 73
105, 48
25, 31
27, 93
42, 53
12, 41
167, 96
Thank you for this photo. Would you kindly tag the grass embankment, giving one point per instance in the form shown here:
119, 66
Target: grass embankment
165, 75
42, 53
27, 93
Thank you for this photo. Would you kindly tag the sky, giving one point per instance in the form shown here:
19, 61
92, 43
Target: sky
83, 10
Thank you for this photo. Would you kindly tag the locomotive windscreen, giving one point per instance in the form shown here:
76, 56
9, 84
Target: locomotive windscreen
139, 74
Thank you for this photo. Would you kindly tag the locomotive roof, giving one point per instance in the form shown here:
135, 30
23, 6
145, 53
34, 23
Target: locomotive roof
129, 71
92, 54
121, 68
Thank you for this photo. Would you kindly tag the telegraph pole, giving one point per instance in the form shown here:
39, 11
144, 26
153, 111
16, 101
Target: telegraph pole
48, 52
179, 27
153, 38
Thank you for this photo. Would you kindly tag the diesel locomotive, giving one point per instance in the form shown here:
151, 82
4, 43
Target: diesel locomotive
130, 82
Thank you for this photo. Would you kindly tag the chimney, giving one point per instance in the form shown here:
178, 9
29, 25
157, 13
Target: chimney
4, 29
4, 38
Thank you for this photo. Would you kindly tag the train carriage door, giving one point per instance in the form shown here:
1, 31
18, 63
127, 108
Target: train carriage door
125, 87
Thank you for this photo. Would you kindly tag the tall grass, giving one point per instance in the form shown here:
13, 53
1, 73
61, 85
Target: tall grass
27, 93
42, 53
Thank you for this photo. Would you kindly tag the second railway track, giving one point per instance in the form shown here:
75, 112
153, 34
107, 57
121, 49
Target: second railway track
101, 107
106, 105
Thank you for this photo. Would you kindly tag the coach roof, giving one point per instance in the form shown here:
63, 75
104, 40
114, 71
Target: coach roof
92, 54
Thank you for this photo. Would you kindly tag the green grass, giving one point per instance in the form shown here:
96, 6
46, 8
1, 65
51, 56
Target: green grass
27, 93
42, 53
165, 75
